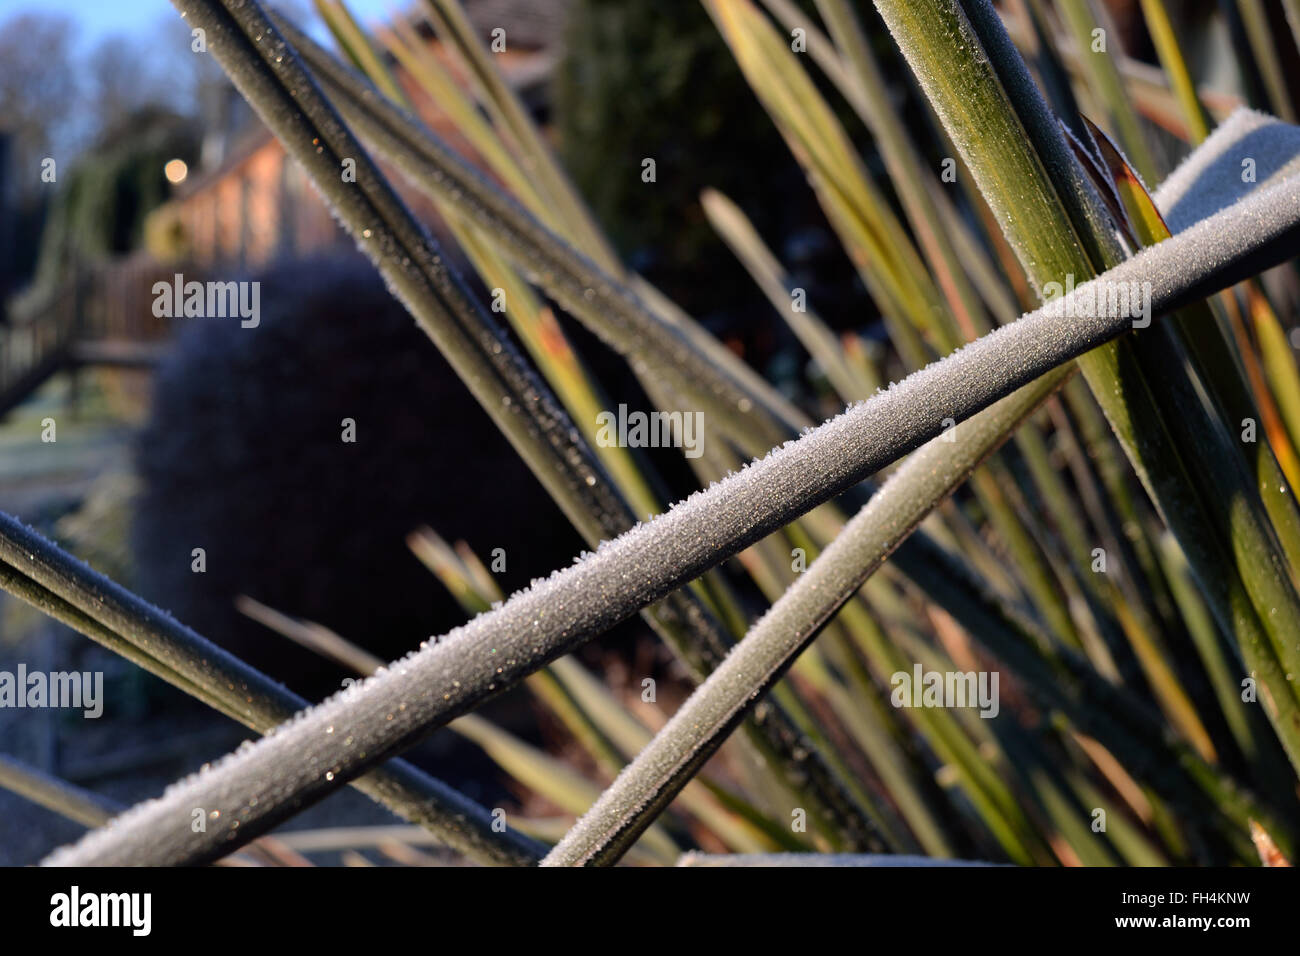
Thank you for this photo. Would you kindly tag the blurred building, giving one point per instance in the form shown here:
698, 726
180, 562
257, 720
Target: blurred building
248, 205
235, 202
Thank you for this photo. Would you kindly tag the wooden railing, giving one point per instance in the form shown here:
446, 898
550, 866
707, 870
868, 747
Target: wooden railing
104, 315
33, 349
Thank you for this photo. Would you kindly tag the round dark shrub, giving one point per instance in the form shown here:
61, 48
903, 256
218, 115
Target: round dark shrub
243, 456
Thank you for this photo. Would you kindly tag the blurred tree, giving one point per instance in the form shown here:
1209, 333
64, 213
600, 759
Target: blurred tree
124, 102
100, 208
121, 75
37, 90
645, 80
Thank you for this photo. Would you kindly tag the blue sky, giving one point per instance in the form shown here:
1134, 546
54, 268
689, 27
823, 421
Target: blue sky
99, 18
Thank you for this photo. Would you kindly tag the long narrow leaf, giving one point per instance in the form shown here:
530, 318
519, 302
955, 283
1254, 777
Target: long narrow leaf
301, 763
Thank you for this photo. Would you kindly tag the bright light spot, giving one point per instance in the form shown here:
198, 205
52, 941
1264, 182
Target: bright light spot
176, 171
